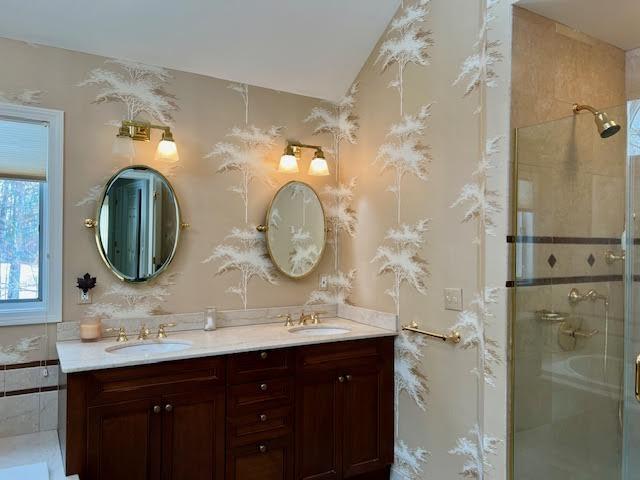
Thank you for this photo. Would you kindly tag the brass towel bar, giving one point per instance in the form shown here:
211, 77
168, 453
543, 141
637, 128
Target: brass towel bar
453, 337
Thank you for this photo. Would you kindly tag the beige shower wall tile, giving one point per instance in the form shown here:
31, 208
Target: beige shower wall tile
553, 68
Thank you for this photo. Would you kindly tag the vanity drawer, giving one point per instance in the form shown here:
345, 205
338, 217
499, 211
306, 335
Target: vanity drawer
129, 383
343, 354
260, 425
254, 396
263, 364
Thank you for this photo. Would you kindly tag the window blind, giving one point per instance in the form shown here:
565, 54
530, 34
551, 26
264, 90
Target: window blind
23, 149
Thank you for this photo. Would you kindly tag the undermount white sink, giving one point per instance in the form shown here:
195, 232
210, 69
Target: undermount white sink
150, 347
319, 330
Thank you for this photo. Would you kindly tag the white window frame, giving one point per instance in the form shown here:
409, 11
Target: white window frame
49, 309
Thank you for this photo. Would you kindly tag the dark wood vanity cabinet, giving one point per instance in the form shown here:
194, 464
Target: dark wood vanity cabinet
344, 410
321, 412
156, 422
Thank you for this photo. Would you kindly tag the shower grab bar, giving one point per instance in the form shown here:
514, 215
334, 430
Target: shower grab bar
453, 337
638, 378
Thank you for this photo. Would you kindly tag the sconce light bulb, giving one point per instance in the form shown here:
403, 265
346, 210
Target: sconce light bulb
123, 147
318, 166
167, 149
288, 162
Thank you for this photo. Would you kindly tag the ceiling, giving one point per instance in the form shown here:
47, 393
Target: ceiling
309, 47
613, 21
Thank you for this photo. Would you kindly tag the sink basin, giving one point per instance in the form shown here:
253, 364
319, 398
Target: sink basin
150, 347
318, 330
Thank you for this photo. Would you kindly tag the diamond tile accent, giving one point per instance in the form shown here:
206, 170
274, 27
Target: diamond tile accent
591, 260
552, 260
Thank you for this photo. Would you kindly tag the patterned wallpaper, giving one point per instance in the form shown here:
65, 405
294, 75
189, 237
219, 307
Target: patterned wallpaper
230, 137
418, 203
432, 166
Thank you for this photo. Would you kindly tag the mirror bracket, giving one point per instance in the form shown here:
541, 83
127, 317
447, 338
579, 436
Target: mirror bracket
90, 223
262, 228
185, 225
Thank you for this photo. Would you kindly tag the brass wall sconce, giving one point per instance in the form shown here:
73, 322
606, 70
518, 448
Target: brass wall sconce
293, 152
131, 130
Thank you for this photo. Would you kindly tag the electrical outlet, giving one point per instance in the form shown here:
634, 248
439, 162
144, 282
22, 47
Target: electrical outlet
324, 282
453, 299
84, 298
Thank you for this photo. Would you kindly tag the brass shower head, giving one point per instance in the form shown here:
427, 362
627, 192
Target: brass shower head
606, 127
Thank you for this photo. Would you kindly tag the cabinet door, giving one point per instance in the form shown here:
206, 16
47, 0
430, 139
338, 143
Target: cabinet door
193, 436
368, 419
318, 425
123, 441
266, 460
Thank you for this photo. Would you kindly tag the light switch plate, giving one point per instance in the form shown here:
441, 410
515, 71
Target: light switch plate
453, 299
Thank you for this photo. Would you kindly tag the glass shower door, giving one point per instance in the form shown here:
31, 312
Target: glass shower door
631, 440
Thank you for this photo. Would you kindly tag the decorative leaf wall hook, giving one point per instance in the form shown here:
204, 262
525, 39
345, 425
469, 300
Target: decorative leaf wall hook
86, 282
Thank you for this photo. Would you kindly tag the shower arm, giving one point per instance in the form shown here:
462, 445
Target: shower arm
577, 108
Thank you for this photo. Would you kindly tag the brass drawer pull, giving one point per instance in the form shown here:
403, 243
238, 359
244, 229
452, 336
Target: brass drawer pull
156, 409
349, 378
262, 449
341, 379
168, 407
264, 355
263, 418
263, 387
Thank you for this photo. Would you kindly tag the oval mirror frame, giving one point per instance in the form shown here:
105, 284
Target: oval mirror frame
96, 225
265, 228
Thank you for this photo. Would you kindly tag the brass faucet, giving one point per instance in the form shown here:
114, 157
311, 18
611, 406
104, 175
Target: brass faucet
304, 318
287, 322
161, 332
144, 332
314, 318
122, 334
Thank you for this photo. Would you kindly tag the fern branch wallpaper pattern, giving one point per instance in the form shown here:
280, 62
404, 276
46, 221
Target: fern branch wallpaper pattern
444, 430
484, 204
96, 93
341, 123
210, 109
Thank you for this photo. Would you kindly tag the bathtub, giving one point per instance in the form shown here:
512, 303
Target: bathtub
586, 372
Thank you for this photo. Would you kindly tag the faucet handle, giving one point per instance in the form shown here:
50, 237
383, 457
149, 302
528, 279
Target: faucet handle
144, 332
161, 329
315, 317
122, 334
288, 322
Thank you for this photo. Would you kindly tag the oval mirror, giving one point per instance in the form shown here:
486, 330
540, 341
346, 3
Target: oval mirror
296, 230
138, 224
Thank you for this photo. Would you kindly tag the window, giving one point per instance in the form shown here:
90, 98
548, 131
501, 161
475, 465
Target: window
30, 215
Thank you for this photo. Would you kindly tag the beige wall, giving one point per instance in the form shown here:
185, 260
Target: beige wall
207, 110
557, 67
633, 74
455, 136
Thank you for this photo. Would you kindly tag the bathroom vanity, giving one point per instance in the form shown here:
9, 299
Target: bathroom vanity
317, 411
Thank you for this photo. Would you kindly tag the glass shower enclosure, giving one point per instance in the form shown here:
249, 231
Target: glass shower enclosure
576, 300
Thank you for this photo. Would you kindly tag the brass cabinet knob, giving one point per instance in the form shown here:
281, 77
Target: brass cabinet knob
262, 448
264, 355
348, 377
168, 407
263, 387
341, 379
263, 418
156, 409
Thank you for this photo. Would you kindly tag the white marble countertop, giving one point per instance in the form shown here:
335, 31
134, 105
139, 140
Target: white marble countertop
76, 356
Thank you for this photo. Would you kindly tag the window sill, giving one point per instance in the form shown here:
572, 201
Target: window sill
35, 316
